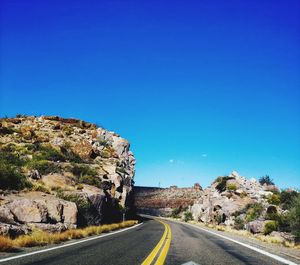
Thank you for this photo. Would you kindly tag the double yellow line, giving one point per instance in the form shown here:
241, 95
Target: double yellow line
163, 246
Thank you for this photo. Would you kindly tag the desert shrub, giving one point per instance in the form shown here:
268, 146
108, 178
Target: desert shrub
287, 197
40, 187
7, 156
79, 187
219, 218
294, 217
90, 180
10, 173
45, 152
254, 211
6, 130
187, 216
270, 226
80, 170
266, 180
105, 154
282, 221
231, 187
222, 183
274, 199
239, 223
175, 212
243, 194
43, 166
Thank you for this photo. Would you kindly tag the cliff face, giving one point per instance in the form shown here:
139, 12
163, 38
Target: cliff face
161, 201
58, 173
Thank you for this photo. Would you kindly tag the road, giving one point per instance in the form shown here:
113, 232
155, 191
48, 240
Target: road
188, 244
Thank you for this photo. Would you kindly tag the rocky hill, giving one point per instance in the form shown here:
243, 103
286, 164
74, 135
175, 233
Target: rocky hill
232, 200
58, 173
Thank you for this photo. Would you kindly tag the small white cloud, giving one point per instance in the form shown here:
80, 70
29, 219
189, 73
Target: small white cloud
171, 161
204, 155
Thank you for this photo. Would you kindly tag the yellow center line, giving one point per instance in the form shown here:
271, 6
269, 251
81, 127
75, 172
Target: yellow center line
162, 257
165, 248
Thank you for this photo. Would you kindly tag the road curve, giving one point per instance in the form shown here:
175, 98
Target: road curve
188, 244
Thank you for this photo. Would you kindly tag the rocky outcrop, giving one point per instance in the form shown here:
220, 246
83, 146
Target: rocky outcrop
226, 197
48, 214
83, 174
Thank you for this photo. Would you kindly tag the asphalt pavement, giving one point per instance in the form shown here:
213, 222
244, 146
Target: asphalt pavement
188, 245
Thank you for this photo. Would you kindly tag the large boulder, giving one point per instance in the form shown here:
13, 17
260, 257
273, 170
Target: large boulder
256, 226
28, 211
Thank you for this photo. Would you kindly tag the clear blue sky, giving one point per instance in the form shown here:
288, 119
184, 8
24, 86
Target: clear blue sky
200, 88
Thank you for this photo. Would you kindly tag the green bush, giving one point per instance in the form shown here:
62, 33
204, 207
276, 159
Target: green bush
90, 180
254, 211
266, 180
44, 167
239, 223
243, 194
287, 197
270, 226
11, 178
231, 187
222, 181
45, 152
175, 212
10, 174
274, 199
294, 217
81, 170
188, 216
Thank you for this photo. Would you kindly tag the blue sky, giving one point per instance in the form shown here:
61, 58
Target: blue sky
200, 88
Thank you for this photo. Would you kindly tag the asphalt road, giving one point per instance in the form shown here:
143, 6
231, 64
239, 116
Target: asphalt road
133, 246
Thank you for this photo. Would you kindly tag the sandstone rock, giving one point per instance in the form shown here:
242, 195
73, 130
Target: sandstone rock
28, 211
6, 216
69, 215
256, 226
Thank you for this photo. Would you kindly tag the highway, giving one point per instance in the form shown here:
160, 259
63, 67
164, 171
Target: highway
153, 242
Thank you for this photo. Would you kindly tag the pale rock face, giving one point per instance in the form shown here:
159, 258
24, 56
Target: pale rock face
54, 208
256, 226
109, 168
213, 203
6, 216
120, 145
69, 215
27, 211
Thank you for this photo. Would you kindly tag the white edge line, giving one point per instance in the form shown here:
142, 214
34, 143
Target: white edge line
285, 261
67, 245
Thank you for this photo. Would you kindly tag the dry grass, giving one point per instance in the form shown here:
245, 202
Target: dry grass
6, 244
263, 238
41, 238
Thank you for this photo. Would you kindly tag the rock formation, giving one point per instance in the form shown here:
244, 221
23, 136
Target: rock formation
230, 200
59, 173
